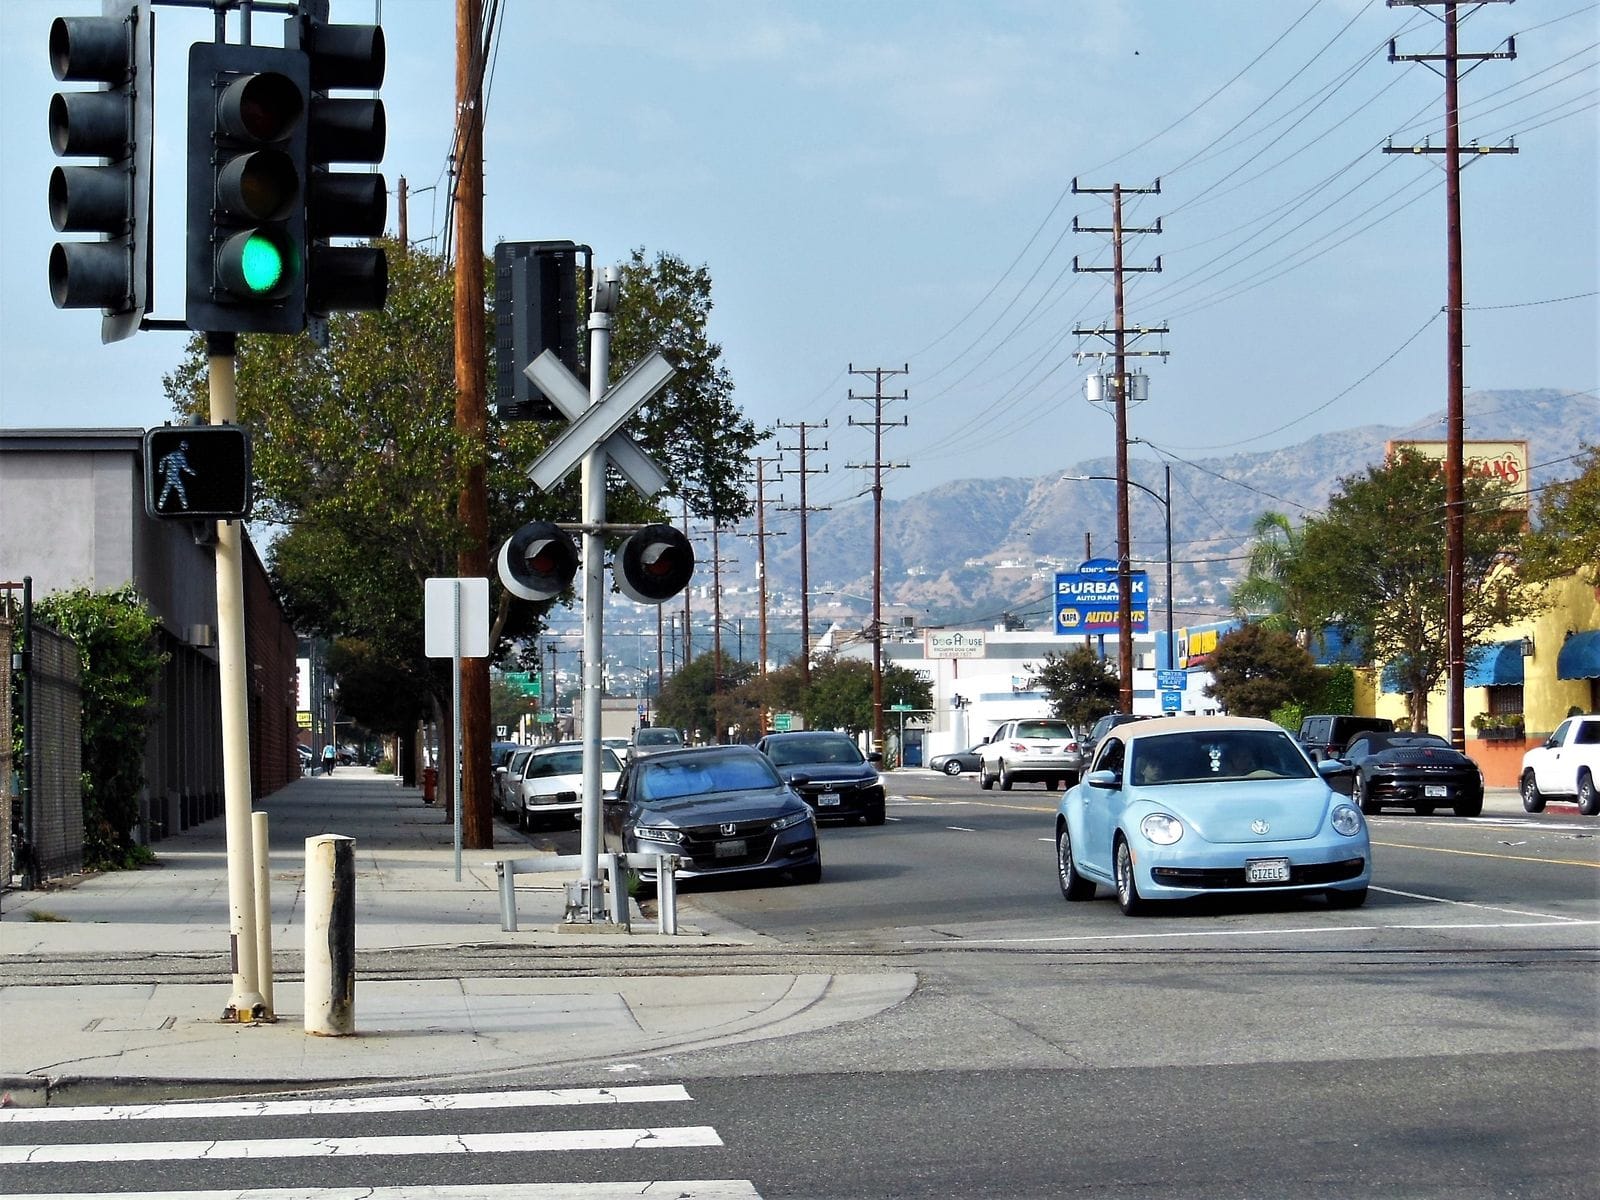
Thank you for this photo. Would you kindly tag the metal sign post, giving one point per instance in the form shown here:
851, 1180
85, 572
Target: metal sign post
456, 626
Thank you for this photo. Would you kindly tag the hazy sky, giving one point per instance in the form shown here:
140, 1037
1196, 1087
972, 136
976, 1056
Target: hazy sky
890, 184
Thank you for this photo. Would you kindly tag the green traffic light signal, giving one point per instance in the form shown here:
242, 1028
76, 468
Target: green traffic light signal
262, 263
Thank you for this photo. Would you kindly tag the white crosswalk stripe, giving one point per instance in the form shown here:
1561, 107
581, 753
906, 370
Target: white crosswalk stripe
17, 1159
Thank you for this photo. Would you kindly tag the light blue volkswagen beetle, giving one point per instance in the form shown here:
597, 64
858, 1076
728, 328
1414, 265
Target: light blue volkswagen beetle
1180, 807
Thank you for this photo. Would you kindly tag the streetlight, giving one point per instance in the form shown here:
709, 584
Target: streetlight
1165, 500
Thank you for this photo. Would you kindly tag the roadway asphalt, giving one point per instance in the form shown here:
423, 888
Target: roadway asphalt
85, 1038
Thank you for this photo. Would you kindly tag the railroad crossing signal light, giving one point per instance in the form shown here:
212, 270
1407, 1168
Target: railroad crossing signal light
538, 561
113, 124
343, 129
654, 564
197, 472
247, 169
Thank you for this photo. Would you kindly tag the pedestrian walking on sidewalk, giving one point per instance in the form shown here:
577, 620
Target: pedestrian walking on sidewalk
329, 757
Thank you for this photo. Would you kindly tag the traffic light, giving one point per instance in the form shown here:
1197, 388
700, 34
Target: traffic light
197, 472
343, 129
654, 564
538, 561
247, 168
535, 309
114, 124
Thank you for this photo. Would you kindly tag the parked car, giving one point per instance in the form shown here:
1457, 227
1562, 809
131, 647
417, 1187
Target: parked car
830, 773
508, 781
1326, 734
1420, 770
1567, 764
723, 810
551, 784
961, 760
648, 739
618, 746
305, 760
499, 755
1104, 725
1041, 749
1173, 808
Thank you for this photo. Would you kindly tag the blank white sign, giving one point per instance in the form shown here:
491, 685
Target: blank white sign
439, 618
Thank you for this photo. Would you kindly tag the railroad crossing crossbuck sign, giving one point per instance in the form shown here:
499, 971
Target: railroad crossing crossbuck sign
599, 424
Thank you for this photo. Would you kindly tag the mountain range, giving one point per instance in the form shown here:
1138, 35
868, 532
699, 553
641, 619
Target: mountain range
984, 550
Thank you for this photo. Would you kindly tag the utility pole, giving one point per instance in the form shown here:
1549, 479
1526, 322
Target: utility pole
878, 466
1455, 509
805, 543
1119, 334
761, 535
716, 627
400, 200
472, 561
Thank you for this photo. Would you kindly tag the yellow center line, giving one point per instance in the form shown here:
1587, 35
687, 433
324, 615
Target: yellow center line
1565, 862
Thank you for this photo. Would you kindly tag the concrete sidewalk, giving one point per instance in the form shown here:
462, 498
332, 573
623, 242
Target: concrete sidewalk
171, 918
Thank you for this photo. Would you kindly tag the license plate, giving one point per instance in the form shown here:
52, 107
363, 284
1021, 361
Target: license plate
828, 800
1267, 870
734, 849
1435, 789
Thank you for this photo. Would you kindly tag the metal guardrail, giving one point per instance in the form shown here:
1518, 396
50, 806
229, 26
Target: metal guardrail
612, 867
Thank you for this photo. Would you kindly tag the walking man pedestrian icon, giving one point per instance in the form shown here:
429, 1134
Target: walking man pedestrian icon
172, 468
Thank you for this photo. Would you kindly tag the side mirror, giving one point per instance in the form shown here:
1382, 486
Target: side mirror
1330, 768
1107, 780
875, 757
799, 781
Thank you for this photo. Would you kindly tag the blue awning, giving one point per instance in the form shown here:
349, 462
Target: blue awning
1580, 656
1495, 665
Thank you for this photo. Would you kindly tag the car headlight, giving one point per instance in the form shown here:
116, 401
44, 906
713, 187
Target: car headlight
789, 822
1161, 828
1346, 820
655, 833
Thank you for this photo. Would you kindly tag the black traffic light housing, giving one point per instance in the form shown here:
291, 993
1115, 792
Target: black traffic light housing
113, 124
538, 561
246, 245
654, 564
195, 472
343, 129
535, 309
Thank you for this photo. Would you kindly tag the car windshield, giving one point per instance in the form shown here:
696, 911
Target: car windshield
1208, 755
1043, 729
568, 762
701, 774
788, 751
1384, 741
657, 737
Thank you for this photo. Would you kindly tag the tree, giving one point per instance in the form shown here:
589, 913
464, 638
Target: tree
1081, 685
120, 659
1376, 564
1266, 592
689, 699
1567, 539
1256, 670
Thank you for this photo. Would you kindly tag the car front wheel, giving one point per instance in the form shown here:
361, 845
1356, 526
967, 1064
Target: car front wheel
953, 767
1347, 898
1532, 798
1073, 885
1128, 898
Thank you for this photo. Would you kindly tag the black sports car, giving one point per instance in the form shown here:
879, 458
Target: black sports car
961, 760
1418, 770
830, 773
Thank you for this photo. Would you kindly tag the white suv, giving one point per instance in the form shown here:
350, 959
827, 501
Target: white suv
1038, 748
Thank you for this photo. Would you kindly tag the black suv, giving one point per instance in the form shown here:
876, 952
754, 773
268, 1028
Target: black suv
1327, 734
1104, 726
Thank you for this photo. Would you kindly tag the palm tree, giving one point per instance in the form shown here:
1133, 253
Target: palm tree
1265, 594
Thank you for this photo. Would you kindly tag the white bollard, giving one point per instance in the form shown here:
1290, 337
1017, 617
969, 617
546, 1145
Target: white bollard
259, 846
331, 935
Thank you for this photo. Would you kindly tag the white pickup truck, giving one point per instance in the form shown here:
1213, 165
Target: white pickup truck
1568, 764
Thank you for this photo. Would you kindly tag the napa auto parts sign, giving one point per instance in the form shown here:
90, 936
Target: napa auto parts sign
1086, 599
1505, 463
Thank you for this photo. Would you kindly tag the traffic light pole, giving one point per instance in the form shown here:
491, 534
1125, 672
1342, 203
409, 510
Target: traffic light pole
246, 1003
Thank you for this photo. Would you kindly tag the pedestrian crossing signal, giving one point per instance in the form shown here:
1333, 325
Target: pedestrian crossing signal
197, 472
